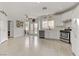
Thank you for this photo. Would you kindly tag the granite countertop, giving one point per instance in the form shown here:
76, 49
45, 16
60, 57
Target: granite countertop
65, 30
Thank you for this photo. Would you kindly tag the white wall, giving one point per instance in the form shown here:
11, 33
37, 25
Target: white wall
75, 33
3, 28
66, 16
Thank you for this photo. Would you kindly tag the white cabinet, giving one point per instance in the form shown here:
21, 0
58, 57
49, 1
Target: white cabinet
52, 34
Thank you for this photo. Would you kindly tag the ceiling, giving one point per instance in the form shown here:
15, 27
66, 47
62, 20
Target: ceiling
17, 10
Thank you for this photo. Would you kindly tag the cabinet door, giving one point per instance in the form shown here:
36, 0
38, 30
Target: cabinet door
42, 34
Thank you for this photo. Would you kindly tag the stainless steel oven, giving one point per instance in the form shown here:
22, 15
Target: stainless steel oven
65, 36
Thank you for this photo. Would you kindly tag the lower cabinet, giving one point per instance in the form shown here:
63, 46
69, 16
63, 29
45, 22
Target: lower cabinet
41, 34
52, 34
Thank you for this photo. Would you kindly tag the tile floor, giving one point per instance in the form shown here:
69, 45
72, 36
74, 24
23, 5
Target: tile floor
32, 46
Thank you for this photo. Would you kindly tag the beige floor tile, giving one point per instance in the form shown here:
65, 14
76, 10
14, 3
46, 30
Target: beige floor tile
25, 46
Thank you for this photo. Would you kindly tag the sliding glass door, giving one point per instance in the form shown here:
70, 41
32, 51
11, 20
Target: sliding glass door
31, 28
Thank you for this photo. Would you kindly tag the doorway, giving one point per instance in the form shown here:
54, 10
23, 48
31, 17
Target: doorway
10, 29
31, 27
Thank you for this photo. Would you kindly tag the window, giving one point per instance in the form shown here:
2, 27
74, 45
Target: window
44, 24
51, 24
48, 24
35, 27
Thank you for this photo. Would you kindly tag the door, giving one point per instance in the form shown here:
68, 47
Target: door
10, 29
32, 28
31, 33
